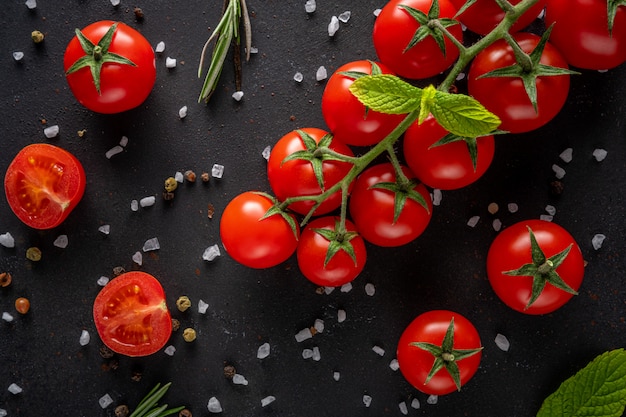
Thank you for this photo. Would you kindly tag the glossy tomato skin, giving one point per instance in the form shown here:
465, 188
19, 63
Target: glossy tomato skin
297, 177
415, 363
506, 96
251, 241
449, 166
372, 209
511, 249
346, 117
123, 87
484, 15
312, 250
131, 315
393, 30
43, 184
582, 35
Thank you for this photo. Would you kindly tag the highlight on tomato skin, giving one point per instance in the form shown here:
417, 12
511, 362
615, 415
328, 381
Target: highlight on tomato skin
43, 184
131, 315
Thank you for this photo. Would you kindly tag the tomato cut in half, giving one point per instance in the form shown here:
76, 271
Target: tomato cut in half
43, 184
131, 315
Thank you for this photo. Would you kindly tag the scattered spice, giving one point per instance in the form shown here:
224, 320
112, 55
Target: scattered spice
118, 270
190, 176
138, 13
175, 325
81, 133
183, 303
136, 376
22, 305
5, 279
171, 184
229, 371
122, 411
33, 254
37, 36
205, 177
168, 196
556, 187
493, 208
189, 334
185, 413
210, 211
105, 352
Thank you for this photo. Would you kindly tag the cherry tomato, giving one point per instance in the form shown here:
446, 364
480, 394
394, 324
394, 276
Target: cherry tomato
131, 314
254, 240
328, 258
127, 67
484, 15
395, 28
297, 177
459, 351
372, 206
43, 184
512, 250
347, 118
511, 102
446, 166
582, 34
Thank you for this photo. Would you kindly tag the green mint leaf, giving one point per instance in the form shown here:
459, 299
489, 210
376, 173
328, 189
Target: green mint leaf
462, 115
386, 93
597, 390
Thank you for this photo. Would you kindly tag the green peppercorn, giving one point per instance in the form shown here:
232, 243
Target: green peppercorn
171, 184
183, 303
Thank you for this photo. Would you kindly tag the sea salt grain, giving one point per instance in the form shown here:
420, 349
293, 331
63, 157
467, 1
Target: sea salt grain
147, 201
376, 12
84, 338
307, 353
367, 400
134, 205
267, 400
546, 217
328, 290
61, 241
502, 342
341, 316
138, 258
214, 405
117, 149
496, 224
51, 131
182, 112
179, 177
599, 154
31, 4
298, 77
345, 16
115, 3
238, 95
263, 351
7, 317
378, 350
105, 401
102, 281
18, 55
336, 376
347, 287
415, 403
319, 325
394, 365
551, 210
105, 229
403, 408
170, 62
124, 141
317, 356
473, 221
512, 207
217, 171
558, 171
202, 307
597, 241
333, 26
211, 253
432, 399
266, 152
160, 47
151, 244
7, 240
310, 6
3, 412
303, 334
170, 350
436, 197
321, 73
566, 155
240, 379
370, 289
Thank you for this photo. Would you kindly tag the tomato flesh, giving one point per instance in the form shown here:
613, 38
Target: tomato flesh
43, 184
131, 314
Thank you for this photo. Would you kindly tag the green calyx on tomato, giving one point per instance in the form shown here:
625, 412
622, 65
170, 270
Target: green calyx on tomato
403, 189
612, 11
528, 67
470, 142
446, 356
543, 270
97, 55
339, 240
277, 209
427, 25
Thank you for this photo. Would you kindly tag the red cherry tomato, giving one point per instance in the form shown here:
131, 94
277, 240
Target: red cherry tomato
372, 208
395, 28
124, 83
511, 250
43, 184
445, 166
297, 177
255, 241
484, 15
512, 103
347, 118
131, 314
416, 363
582, 34
347, 252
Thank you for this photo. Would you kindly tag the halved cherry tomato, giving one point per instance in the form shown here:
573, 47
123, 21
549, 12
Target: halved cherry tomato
131, 314
43, 184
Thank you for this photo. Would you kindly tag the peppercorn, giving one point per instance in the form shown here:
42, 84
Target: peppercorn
190, 176
175, 325
138, 13
184, 413
168, 196
205, 177
121, 411
5, 279
229, 371
33, 254
37, 36
171, 184
22, 305
189, 334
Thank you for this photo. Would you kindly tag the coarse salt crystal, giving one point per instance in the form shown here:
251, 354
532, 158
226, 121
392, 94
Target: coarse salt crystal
105, 229
415, 403
310, 6
31, 4
298, 77
432, 399
179, 177
102, 281
240, 379
599, 154
321, 73
211, 253
341, 316
303, 334
403, 408
436, 197
460, 76
115, 3
566, 155
117, 149
336, 376
378, 350
376, 12
496, 224
263, 351
254, 50
316, 354
394, 365
84, 339
558, 171
214, 405
513, 207
105, 401
502, 342
370, 289
7, 317
134, 205
170, 62
328, 290
138, 258
345, 16
333, 26
347, 287
238, 95
202, 307
367, 400
597, 241
151, 244
160, 47
3, 412
319, 325
266, 152
182, 112
267, 400
170, 350
18, 55
217, 171
473, 221
124, 141
51, 131
307, 353
551, 210
546, 217
147, 201
7, 240
61, 241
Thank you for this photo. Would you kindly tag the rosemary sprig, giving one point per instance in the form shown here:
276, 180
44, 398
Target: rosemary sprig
224, 34
148, 405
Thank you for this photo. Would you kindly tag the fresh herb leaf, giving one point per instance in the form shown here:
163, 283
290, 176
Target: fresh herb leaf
597, 390
386, 93
463, 115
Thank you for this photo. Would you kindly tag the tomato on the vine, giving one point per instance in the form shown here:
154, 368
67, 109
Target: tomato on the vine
442, 160
581, 32
256, 233
439, 352
347, 118
535, 266
304, 162
43, 184
131, 315
110, 67
395, 31
329, 257
388, 211
484, 15
513, 103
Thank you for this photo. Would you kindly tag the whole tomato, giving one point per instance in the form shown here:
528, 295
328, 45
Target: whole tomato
448, 166
395, 30
110, 67
328, 256
298, 166
484, 15
535, 266
43, 184
388, 212
581, 33
506, 96
347, 118
255, 237
439, 352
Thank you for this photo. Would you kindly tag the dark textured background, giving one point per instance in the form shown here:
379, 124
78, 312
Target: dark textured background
444, 268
